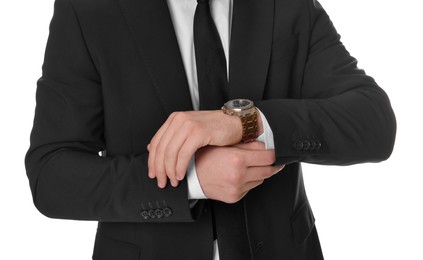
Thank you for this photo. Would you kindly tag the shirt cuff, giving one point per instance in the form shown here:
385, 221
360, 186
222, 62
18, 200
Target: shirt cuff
195, 192
267, 136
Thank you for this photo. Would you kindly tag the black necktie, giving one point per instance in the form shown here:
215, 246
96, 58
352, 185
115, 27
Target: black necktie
210, 59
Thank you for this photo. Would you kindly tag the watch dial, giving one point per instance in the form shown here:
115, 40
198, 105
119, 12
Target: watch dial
240, 103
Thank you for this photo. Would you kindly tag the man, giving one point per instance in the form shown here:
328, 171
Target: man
120, 77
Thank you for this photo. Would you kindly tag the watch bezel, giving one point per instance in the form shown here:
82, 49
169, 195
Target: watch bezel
234, 106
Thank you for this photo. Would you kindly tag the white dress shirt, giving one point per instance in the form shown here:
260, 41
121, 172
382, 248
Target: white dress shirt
182, 13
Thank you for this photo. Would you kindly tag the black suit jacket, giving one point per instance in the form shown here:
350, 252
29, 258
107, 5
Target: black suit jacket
113, 73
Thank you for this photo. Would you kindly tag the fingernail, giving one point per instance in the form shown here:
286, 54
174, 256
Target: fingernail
161, 184
148, 147
151, 175
174, 183
179, 178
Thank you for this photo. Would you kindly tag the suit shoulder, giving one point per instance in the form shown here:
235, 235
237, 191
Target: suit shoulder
298, 5
88, 3
91, 6
91, 10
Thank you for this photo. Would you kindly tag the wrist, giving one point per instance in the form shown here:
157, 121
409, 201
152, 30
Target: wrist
234, 125
247, 113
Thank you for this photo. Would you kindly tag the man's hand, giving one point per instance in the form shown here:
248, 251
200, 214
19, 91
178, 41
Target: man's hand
182, 135
228, 173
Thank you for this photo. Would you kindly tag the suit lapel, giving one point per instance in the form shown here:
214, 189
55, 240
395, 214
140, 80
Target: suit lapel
251, 40
152, 29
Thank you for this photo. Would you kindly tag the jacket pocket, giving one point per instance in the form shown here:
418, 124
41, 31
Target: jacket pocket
284, 47
302, 223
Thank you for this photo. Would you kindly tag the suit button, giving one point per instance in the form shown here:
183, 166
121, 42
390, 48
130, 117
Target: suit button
298, 145
152, 213
144, 214
318, 145
159, 213
167, 212
306, 145
313, 145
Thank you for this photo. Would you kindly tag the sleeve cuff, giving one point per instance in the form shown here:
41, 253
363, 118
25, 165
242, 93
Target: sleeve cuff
267, 136
195, 192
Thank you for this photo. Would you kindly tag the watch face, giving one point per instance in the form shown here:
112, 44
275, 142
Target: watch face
240, 104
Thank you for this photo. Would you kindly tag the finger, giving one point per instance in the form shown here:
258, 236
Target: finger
161, 179
172, 156
256, 145
259, 157
262, 172
185, 143
159, 166
185, 155
153, 145
177, 138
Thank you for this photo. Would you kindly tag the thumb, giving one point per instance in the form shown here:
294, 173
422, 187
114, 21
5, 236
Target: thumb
278, 168
256, 145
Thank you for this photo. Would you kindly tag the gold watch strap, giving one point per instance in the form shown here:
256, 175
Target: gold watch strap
249, 126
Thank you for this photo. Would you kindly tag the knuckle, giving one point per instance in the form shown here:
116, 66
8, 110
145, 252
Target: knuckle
188, 123
169, 154
232, 199
185, 153
161, 150
238, 161
191, 126
234, 191
180, 116
159, 168
234, 178
174, 114
169, 170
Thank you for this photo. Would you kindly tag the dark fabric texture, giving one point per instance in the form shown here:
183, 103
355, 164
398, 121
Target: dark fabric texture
113, 73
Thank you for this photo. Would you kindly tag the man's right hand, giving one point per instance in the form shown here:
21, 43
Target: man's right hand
228, 173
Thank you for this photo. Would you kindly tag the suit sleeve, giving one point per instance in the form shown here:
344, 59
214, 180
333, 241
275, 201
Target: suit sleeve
341, 117
67, 177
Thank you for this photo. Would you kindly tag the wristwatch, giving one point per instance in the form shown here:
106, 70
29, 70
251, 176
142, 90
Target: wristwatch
247, 112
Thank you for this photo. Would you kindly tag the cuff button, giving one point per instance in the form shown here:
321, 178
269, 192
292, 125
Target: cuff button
152, 213
313, 145
318, 145
144, 214
298, 145
306, 145
167, 212
159, 213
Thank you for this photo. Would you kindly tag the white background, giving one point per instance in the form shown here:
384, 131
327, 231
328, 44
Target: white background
365, 212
